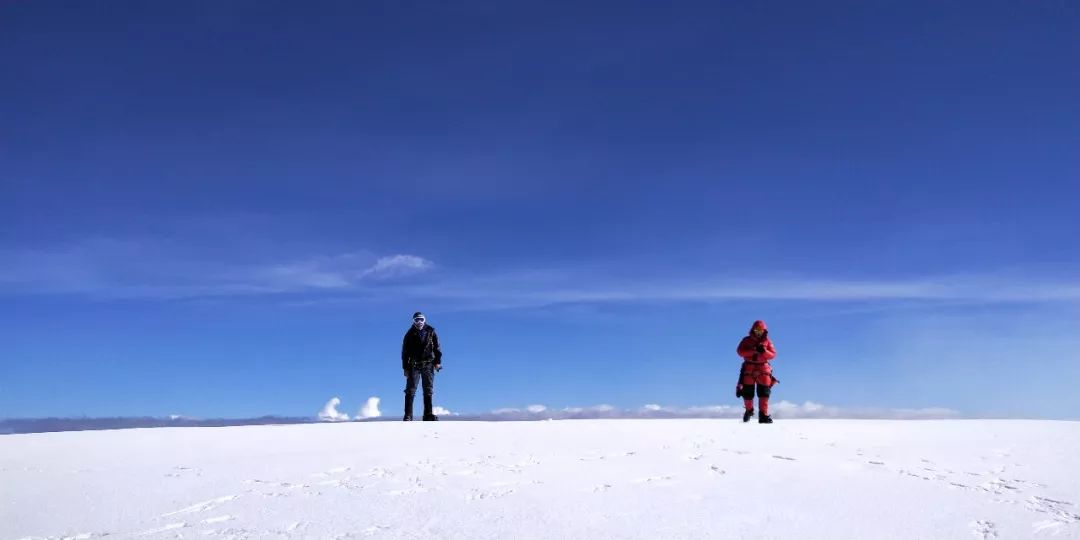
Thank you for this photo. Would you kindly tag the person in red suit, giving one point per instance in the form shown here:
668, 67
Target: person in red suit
756, 351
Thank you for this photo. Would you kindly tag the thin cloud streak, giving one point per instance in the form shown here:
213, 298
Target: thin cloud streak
130, 269
496, 294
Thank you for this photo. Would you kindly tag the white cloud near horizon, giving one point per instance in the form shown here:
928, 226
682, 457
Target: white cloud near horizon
370, 409
329, 412
780, 409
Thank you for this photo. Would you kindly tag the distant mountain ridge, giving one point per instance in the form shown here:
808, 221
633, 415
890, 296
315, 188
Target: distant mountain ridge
50, 425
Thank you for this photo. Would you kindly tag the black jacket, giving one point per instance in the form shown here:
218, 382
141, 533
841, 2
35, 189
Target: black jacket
420, 347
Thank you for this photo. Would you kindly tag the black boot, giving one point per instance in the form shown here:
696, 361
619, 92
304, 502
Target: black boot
429, 415
764, 419
747, 415
408, 407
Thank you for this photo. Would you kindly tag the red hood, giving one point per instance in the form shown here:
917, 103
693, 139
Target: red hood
761, 325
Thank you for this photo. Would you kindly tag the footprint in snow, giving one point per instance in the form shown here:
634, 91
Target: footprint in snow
653, 479
997, 485
480, 494
229, 534
785, 458
219, 519
379, 472
181, 472
914, 475
984, 529
167, 528
203, 506
1060, 510
294, 526
1049, 526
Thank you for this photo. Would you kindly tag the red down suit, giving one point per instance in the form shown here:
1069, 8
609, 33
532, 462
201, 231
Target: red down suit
756, 368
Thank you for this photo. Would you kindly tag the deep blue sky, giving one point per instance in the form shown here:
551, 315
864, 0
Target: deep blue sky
232, 209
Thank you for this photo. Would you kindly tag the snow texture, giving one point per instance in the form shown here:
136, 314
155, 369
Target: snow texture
597, 479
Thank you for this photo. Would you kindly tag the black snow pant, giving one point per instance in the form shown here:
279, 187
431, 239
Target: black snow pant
763, 391
426, 373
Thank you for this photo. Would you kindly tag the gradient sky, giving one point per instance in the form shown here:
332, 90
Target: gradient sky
233, 208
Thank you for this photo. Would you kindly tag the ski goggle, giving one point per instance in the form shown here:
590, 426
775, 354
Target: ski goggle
418, 319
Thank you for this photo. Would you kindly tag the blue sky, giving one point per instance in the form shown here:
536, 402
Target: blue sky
232, 209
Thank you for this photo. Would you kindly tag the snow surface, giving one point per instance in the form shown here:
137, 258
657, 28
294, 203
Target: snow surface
806, 479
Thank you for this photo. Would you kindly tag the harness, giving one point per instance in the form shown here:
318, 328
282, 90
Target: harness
756, 370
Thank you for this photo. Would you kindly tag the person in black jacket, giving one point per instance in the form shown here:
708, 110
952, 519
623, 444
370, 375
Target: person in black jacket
421, 357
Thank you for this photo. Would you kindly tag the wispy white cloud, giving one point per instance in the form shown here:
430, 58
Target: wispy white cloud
398, 265
315, 274
343, 271
111, 268
442, 411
